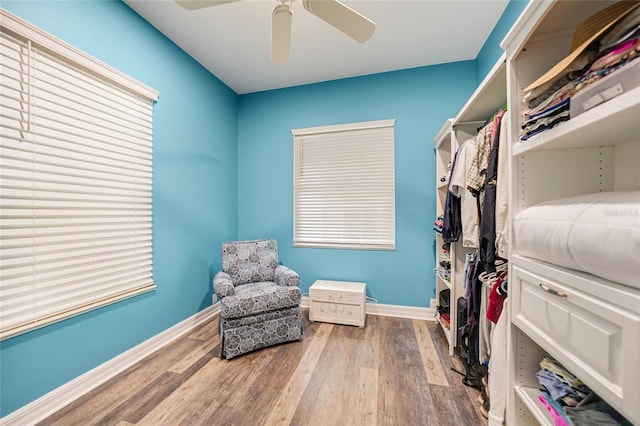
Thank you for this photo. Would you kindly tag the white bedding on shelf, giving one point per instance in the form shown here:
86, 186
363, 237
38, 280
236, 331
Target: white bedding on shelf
595, 233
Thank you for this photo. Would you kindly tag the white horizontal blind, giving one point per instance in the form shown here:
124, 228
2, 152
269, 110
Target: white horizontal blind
75, 189
344, 190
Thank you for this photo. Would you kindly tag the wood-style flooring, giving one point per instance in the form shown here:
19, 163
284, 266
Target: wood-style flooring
391, 372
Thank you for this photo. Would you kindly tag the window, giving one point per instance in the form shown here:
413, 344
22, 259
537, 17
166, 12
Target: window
343, 186
75, 181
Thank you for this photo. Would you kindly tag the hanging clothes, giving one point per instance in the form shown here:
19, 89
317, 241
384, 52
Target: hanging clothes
498, 373
502, 194
487, 238
458, 186
486, 326
475, 174
495, 302
476, 293
488, 309
451, 223
469, 275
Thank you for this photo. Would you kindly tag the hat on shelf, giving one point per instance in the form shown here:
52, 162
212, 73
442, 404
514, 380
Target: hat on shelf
585, 33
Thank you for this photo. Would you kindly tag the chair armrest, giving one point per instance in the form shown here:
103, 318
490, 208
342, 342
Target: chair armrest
286, 277
222, 285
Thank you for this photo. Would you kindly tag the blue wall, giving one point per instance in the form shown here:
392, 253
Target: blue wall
491, 49
223, 170
194, 193
420, 100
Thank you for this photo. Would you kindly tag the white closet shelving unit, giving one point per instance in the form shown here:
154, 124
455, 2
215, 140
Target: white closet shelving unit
593, 327
488, 98
443, 160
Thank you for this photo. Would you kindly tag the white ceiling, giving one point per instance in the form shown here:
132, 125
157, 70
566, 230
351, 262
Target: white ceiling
233, 40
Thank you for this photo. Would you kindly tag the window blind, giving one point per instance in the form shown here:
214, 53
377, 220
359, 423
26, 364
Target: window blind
344, 189
75, 187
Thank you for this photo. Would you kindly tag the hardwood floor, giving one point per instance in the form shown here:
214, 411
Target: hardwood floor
392, 372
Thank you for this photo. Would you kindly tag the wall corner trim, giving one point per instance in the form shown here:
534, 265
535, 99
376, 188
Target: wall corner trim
53, 401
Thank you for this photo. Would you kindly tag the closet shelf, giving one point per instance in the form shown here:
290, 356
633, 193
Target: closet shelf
447, 331
529, 396
589, 324
618, 116
488, 98
444, 282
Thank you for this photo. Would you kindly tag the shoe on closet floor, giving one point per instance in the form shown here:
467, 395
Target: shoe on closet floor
485, 407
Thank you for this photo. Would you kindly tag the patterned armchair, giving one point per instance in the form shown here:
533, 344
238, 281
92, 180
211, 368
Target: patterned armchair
260, 299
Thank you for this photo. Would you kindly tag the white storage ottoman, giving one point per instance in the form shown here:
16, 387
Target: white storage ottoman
339, 302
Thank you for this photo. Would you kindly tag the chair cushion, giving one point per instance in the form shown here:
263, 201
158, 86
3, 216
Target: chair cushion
258, 318
250, 261
260, 297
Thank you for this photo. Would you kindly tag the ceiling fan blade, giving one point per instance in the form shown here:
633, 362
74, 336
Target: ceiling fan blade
342, 17
201, 4
281, 34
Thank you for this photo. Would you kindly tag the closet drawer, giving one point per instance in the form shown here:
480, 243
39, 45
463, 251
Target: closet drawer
595, 340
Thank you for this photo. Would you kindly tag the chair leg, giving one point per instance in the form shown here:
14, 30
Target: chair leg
221, 341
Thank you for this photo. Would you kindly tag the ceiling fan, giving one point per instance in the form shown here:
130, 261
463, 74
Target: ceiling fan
332, 12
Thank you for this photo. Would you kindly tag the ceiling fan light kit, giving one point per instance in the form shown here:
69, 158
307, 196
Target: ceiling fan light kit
333, 12
281, 33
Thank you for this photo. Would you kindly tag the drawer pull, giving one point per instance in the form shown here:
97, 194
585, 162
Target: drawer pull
550, 290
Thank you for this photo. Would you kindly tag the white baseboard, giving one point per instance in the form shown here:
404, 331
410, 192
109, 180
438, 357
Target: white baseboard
412, 312
58, 398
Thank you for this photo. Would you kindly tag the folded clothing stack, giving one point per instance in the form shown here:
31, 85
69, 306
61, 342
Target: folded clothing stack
614, 44
571, 402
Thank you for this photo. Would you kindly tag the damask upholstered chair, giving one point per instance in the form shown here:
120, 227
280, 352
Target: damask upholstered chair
260, 299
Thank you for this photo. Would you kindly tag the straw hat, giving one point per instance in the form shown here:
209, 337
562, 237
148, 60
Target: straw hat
585, 33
